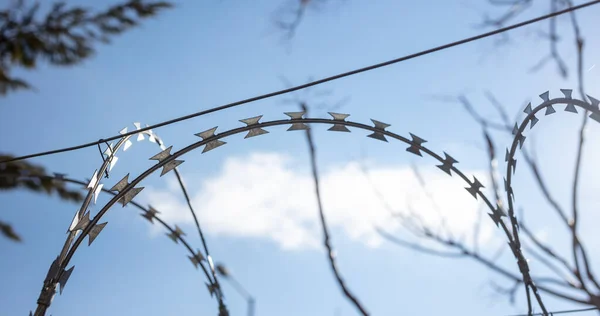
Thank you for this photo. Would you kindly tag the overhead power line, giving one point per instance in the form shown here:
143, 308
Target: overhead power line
313, 83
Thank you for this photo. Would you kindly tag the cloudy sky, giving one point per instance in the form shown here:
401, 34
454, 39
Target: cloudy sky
255, 197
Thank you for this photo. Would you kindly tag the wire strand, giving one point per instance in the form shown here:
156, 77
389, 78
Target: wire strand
317, 82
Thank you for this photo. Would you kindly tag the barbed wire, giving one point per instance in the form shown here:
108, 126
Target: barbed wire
518, 141
127, 189
57, 275
314, 83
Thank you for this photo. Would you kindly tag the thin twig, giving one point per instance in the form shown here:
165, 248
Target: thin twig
417, 247
576, 242
326, 239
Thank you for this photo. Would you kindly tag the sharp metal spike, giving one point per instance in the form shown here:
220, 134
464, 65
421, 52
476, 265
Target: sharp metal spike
378, 134
140, 136
513, 162
94, 232
74, 222
380, 125
521, 140
170, 166
571, 108
97, 192
93, 181
528, 109
595, 102
194, 261
151, 136
113, 162
52, 271
123, 131
176, 234
339, 127
475, 186
130, 195
256, 132
82, 223
545, 96
496, 218
252, 120
213, 144
128, 144
499, 211
515, 129
550, 110
207, 133
211, 289
506, 155
64, 278
447, 164
595, 117
297, 116
121, 184
567, 92
338, 116
415, 145
534, 121
150, 214
197, 258
162, 155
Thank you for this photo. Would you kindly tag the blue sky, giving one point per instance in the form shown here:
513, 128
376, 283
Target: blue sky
204, 54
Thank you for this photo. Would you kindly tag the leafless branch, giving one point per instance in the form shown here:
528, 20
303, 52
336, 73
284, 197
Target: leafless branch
290, 15
326, 239
302, 103
417, 247
489, 263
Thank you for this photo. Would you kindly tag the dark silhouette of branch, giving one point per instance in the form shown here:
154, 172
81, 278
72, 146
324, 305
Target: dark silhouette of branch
577, 245
302, 102
464, 252
326, 238
64, 36
417, 247
289, 17
8, 232
16, 175
548, 253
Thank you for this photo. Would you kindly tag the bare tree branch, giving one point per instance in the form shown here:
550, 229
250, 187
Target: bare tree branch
326, 238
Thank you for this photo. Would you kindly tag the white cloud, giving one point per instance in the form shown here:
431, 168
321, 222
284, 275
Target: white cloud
267, 196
